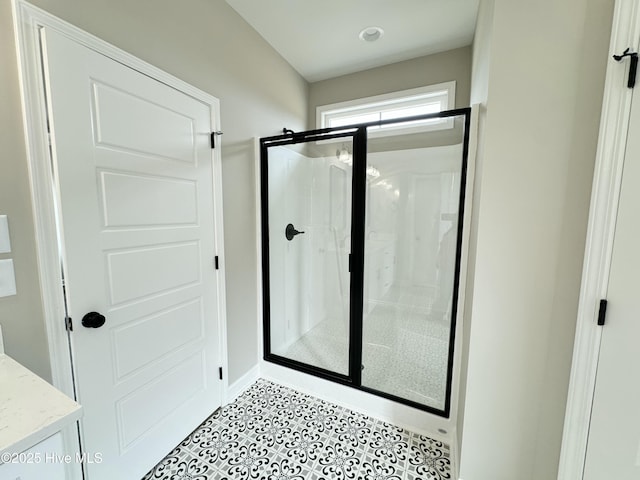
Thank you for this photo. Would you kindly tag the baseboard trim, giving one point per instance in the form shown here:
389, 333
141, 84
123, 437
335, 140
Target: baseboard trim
245, 381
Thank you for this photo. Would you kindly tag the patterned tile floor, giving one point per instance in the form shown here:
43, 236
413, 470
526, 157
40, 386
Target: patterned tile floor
274, 433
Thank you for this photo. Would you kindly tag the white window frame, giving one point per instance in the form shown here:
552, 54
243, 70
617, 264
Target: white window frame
446, 92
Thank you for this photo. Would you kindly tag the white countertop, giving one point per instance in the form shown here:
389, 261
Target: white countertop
30, 408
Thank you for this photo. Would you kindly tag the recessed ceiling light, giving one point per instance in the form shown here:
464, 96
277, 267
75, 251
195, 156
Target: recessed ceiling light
371, 34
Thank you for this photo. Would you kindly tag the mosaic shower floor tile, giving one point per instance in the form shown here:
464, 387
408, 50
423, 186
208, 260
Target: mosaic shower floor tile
405, 351
275, 433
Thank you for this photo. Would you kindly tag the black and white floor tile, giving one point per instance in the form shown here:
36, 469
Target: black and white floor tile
274, 433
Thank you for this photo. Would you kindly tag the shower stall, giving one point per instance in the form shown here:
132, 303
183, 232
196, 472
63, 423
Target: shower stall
362, 230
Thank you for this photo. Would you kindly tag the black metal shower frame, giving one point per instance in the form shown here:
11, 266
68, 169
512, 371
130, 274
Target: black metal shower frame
358, 134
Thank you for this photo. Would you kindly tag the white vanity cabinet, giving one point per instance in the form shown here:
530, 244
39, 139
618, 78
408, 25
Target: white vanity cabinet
45, 460
32, 415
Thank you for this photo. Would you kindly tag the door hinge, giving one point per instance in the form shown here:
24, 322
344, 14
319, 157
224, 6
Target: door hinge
633, 68
602, 312
216, 262
349, 262
213, 137
220, 372
68, 323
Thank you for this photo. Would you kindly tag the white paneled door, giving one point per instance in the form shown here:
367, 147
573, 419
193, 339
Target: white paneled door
135, 176
613, 450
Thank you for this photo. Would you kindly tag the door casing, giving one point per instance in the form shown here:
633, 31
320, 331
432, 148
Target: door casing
614, 122
28, 19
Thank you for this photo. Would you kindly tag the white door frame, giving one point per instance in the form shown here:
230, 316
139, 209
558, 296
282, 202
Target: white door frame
28, 19
614, 122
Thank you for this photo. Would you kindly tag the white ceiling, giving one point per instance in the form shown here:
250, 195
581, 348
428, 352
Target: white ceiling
319, 38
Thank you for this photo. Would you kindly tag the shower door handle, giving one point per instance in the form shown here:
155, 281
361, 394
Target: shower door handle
290, 232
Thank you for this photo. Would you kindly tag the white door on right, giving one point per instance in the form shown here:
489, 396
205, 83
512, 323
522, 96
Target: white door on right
613, 450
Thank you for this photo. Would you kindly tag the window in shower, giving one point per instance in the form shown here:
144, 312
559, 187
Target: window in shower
396, 105
361, 239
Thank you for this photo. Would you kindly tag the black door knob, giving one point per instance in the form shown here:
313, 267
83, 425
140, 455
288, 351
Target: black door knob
93, 320
291, 232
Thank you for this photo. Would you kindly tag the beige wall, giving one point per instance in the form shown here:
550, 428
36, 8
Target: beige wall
543, 96
478, 94
205, 43
427, 70
21, 315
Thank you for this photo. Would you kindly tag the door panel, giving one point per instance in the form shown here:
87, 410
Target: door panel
167, 134
411, 265
135, 274
309, 189
146, 406
134, 173
614, 435
159, 201
173, 329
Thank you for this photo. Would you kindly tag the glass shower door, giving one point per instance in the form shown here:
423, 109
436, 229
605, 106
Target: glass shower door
415, 184
362, 231
306, 210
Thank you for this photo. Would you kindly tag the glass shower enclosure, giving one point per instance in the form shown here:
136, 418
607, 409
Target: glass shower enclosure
361, 251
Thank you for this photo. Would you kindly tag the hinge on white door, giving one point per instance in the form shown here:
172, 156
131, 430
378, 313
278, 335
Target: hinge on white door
216, 262
213, 137
633, 68
220, 372
602, 312
68, 323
